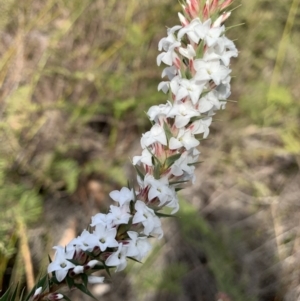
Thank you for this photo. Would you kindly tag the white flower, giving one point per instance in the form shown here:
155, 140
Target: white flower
212, 69
189, 30
147, 217
124, 196
103, 219
182, 88
170, 72
201, 126
145, 158
156, 134
161, 110
170, 41
164, 86
61, 265
184, 138
118, 258
159, 189
86, 241
106, 238
181, 165
137, 247
183, 111
188, 52
208, 101
120, 214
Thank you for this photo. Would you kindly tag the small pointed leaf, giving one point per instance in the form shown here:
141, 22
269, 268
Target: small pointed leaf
140, 174
170, 160
84, 289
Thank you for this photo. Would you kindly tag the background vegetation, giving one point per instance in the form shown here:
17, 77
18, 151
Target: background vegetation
76, 78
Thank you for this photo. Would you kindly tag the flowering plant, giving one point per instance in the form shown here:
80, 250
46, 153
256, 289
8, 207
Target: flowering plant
197, 80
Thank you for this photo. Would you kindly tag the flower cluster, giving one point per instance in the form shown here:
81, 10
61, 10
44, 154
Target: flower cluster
197, 81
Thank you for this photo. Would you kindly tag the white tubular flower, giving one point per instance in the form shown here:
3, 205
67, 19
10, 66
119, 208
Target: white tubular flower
137, 247
103, 219
147, 217
159, 189
185, 139
211, 69
106, 238
168, 57
161, 110
120, 214
209, 101
124, 196
190, 31
61, 265
169, 72
170, 41
118, 259
164, 86
86, 241
209, 34
201, 126
181, 166
145, 158
188, 52
182, 88
226, 49
223, 90
183, 111
156, 134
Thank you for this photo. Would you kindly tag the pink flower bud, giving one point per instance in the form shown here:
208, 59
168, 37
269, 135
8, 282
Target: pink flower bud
226, 4
54, 296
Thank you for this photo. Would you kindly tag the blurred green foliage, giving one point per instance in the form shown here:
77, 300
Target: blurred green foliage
267, 70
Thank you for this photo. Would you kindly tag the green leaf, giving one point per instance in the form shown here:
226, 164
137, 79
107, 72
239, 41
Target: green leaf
134, 259
22, 294
157, 171
13, 297
5, 296
84, 289
73, 261
153, 156
106, 269
70, 282
98, 268
41, 283
170, 160
195, 163
66, 298
140, 174
167, 131
84, 278
160, 214
178, 182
